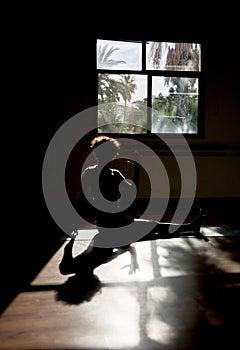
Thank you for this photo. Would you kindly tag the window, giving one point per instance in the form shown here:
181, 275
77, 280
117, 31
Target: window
148, 87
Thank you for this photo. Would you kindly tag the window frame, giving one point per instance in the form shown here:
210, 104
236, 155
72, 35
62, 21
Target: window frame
149, 135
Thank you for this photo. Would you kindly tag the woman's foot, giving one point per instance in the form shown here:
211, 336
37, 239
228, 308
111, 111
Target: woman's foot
197, 223
65, 266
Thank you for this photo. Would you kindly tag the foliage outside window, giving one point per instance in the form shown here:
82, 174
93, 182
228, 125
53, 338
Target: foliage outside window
148, 87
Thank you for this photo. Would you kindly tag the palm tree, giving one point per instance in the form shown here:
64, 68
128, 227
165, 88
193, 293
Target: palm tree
109, 90
104, 59
107, 87
126, 87
181, 56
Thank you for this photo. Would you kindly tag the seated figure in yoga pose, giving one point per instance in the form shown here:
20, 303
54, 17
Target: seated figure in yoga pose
109, 192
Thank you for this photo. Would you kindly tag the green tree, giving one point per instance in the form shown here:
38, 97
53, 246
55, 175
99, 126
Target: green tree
183, 56
126, 87
107, 89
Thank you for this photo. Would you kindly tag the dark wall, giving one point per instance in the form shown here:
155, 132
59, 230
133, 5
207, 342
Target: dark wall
53, 78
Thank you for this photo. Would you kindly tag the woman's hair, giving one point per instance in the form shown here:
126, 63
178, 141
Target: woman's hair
113, 146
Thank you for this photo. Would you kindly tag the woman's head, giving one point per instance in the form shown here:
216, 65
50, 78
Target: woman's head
110, 151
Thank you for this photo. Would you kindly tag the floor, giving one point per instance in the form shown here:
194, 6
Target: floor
185, 295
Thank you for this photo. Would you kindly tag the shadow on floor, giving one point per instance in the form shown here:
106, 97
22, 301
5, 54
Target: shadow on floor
22, 256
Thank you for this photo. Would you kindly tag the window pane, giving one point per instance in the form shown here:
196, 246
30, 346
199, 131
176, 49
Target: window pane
174, 105
122, 100
173, 56
117, 55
